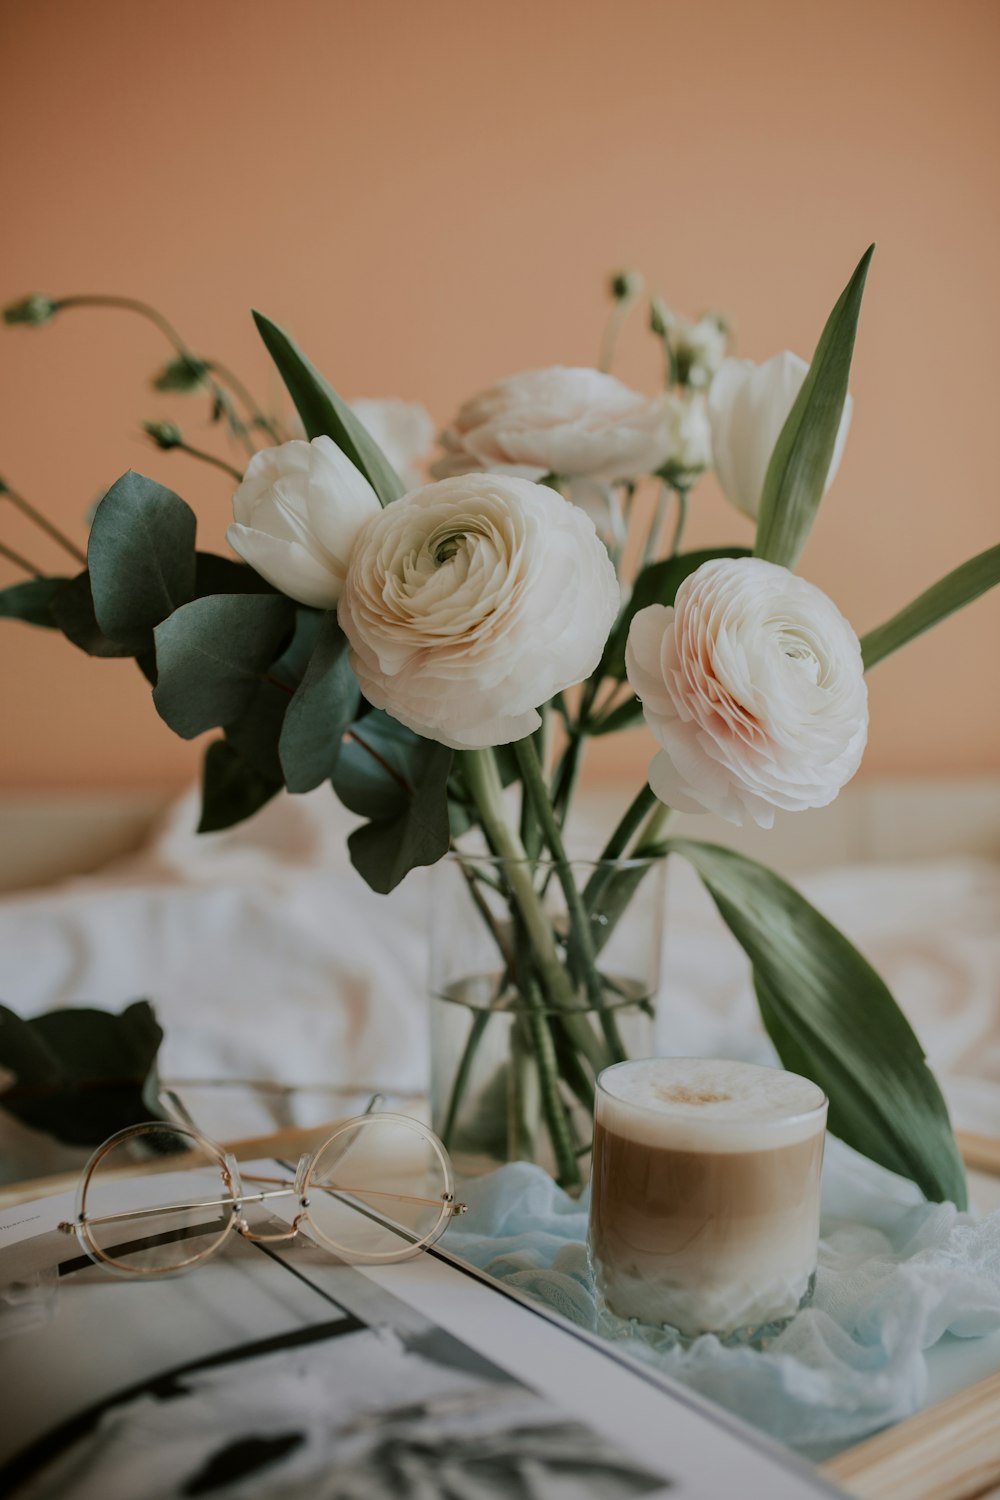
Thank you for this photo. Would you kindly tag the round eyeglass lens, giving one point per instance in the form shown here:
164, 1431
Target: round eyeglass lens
154, 1199
379, 1190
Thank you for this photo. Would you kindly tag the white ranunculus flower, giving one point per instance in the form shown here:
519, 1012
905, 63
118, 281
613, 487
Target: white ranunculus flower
754, 686
471, 601
576, 423
747, 407
298, 511
690, 439
404, 431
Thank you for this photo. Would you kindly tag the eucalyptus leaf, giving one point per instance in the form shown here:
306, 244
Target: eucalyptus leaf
80, 1074
140, 558
231, 789
657, 584
376, 766
832, 1018
386, 850
211, 655
797, 473
325, 414
325, 704
73, 611
256, 734
956, 589
223, 575
32, 601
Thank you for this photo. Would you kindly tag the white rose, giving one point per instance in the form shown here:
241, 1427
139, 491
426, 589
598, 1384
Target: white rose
747, 407
298, 511
754, 686
403, 430
690, 438
470, 602
569, 422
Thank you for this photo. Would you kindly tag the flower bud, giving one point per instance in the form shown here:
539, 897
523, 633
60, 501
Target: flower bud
625, 286
700, 349
32, 311
165, 435
185, 373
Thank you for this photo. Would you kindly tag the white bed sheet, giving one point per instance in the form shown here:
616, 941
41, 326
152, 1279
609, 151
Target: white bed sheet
266, 956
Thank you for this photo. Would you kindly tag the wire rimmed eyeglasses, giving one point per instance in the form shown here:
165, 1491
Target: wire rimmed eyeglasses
160, 1197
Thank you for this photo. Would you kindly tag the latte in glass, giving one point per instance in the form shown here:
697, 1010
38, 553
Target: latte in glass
704, 1214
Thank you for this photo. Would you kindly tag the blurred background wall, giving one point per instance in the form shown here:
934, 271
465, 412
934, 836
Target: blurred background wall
430, 196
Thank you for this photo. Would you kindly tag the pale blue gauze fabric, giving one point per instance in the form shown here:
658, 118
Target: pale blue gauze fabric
895, 1275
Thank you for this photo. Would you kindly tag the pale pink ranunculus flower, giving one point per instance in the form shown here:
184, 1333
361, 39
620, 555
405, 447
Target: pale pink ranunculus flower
297, 513
574, 423
472, 601
747, 408
753, 684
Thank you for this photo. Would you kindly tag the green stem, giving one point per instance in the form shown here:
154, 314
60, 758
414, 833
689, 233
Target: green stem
534, 782
643, 802
480, 1020
655, 527
210, 458
240, 391
20, 562
612, 329
682, 515
42, 521
556, 1118
483, 781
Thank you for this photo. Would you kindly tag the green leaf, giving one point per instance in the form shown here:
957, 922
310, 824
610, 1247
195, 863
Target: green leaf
223, 575
952, 592
231, 790
797, 473
211, 655
657, 584
832, 1018
324, 413
256, 734
32, 601
73, 611
375, 767
325, 704
625, 716
80, 1074
141, 559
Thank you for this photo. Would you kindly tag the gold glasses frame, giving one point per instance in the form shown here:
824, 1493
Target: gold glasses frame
235, 1197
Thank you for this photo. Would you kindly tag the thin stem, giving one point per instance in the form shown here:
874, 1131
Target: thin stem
613, 328
43, 521
655, 527
210, 458
241, 393
682, 515
534, 782
556, 1118
642, 803
480, 1021
20, 562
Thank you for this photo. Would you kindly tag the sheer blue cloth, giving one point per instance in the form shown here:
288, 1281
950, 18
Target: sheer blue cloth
896, 1274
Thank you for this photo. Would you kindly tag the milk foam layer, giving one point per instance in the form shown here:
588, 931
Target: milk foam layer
704, 1104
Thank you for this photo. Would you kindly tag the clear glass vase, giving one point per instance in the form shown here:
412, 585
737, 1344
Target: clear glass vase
540, 976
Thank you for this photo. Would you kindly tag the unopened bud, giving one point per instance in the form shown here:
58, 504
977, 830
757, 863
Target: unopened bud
32, 311
165, 435
625, 286
661, 319
185, 373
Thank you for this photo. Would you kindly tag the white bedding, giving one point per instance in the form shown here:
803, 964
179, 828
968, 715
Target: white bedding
266, 956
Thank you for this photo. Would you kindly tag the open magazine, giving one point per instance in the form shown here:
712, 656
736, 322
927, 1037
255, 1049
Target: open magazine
279, 1371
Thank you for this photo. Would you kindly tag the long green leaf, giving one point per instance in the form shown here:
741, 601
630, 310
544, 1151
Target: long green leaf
832, 1017
210, 656
956, 589
657, 584
325, 414
140, 558
32, 601
796, 475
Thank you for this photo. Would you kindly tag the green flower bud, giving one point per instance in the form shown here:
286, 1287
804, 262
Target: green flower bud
33, 311
165, 435
661, 319
625, 286
185, 373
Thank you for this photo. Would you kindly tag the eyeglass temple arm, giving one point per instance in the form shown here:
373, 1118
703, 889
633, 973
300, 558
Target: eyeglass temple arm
367, 1192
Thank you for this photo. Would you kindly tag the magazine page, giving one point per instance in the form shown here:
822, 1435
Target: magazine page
276, 1369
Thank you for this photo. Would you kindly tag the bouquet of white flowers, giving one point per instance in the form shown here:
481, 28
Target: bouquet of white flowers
441, 655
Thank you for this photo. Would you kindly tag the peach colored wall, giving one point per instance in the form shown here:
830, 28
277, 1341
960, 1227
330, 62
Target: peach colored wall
430, 194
